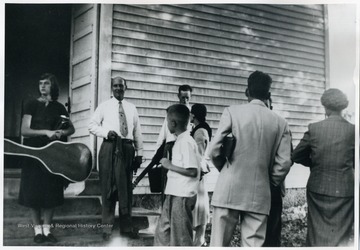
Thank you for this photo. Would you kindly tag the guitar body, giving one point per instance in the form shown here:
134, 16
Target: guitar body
71, 160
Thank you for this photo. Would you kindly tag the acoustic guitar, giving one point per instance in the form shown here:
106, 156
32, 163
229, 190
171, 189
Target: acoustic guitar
71, 160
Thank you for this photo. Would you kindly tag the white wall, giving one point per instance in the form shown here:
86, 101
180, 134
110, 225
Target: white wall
342, 42
342, 59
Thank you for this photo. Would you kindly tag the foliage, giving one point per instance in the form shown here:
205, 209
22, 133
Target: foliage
293, 233
294, 197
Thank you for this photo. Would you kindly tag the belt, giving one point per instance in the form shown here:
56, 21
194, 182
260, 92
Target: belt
127, 141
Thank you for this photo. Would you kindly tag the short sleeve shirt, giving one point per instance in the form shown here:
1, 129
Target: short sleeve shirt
185, 155
42, 116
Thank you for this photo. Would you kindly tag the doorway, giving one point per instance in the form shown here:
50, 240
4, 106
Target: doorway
37, 40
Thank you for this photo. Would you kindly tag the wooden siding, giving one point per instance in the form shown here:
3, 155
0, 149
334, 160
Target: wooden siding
83, 76
214, 48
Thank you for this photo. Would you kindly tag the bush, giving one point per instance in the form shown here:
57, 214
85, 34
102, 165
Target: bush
293, 233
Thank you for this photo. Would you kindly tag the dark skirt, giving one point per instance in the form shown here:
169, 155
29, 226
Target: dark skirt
330, 220
38, 187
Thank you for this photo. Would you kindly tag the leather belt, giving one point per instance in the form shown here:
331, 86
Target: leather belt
127, 141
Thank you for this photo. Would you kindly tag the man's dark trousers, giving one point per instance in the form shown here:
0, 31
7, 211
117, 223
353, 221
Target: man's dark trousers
116, 185
273, 230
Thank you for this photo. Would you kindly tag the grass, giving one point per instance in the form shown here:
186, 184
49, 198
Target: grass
294, 227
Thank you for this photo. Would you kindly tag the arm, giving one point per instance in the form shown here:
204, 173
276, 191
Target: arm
282, 161
29, 132
95, 124
302, 152
162, 135
202, 139
190, 172
137, 134
69, 131
216, 143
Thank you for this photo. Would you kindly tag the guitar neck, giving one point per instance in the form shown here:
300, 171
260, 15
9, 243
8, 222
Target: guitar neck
13, 148
73, 161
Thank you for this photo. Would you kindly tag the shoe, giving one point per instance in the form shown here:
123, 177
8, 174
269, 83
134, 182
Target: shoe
106, 236
133, 234
51, 238
204, 244
39, 238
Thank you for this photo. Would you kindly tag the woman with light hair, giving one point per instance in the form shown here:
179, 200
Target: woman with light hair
328, 149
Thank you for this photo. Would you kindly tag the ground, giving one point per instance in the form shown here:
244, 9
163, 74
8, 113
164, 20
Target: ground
293, 232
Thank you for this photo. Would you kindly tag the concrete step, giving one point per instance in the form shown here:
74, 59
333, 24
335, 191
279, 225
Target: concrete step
20, 227
89, 187
86, 240
79, 205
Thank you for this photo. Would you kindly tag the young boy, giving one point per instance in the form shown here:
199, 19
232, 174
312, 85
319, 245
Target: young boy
175, 223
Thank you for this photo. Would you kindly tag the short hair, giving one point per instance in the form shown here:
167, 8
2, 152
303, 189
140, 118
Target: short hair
180, 113
118, 78
334, 99
199, 111
259, 84
185, 87
54, 85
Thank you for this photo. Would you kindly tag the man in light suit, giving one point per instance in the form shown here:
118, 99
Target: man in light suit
261, 157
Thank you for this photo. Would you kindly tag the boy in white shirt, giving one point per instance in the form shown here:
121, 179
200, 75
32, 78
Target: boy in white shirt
175, 223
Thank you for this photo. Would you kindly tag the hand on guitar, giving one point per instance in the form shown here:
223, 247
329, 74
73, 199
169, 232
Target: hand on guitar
54, 134
112, 135
136, 163
165, 163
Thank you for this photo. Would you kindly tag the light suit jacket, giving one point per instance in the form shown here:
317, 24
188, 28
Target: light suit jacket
261, 155
328, 148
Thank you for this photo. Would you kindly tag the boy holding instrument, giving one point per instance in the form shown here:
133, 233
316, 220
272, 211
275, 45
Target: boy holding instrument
175, 224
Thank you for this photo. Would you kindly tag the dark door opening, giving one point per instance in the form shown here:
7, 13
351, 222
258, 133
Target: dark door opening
37, 40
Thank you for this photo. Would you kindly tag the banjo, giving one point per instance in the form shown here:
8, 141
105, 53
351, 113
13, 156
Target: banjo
71, 160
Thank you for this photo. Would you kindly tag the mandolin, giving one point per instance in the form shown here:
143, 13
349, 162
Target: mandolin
71, 160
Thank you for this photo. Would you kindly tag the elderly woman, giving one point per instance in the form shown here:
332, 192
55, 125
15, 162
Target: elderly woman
328, 149
40, 190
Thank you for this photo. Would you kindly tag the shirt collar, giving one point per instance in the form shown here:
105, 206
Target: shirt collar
335, 117
257, 102
183, 134
113, 99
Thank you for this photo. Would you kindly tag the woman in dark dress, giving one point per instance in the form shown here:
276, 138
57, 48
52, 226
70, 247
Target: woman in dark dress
40, 190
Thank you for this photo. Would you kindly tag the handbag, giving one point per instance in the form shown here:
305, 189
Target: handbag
226, 152
63, 122
156, 179
228, 146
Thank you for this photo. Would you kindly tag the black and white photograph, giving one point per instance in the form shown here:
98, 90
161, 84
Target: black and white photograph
180, 124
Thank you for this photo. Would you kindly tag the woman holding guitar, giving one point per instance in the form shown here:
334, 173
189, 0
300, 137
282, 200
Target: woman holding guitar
40, 190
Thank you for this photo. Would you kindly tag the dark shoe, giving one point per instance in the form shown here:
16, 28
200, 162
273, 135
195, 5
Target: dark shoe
39, 238
204, 244
106, 236
134, 234
51, 238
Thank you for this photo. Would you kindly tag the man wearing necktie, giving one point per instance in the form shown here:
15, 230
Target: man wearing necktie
117, 121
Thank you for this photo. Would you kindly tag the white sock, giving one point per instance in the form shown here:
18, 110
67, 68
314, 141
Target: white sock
38, 229
46, 229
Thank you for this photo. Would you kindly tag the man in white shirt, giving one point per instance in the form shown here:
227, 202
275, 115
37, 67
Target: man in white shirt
117, 122
184, 95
